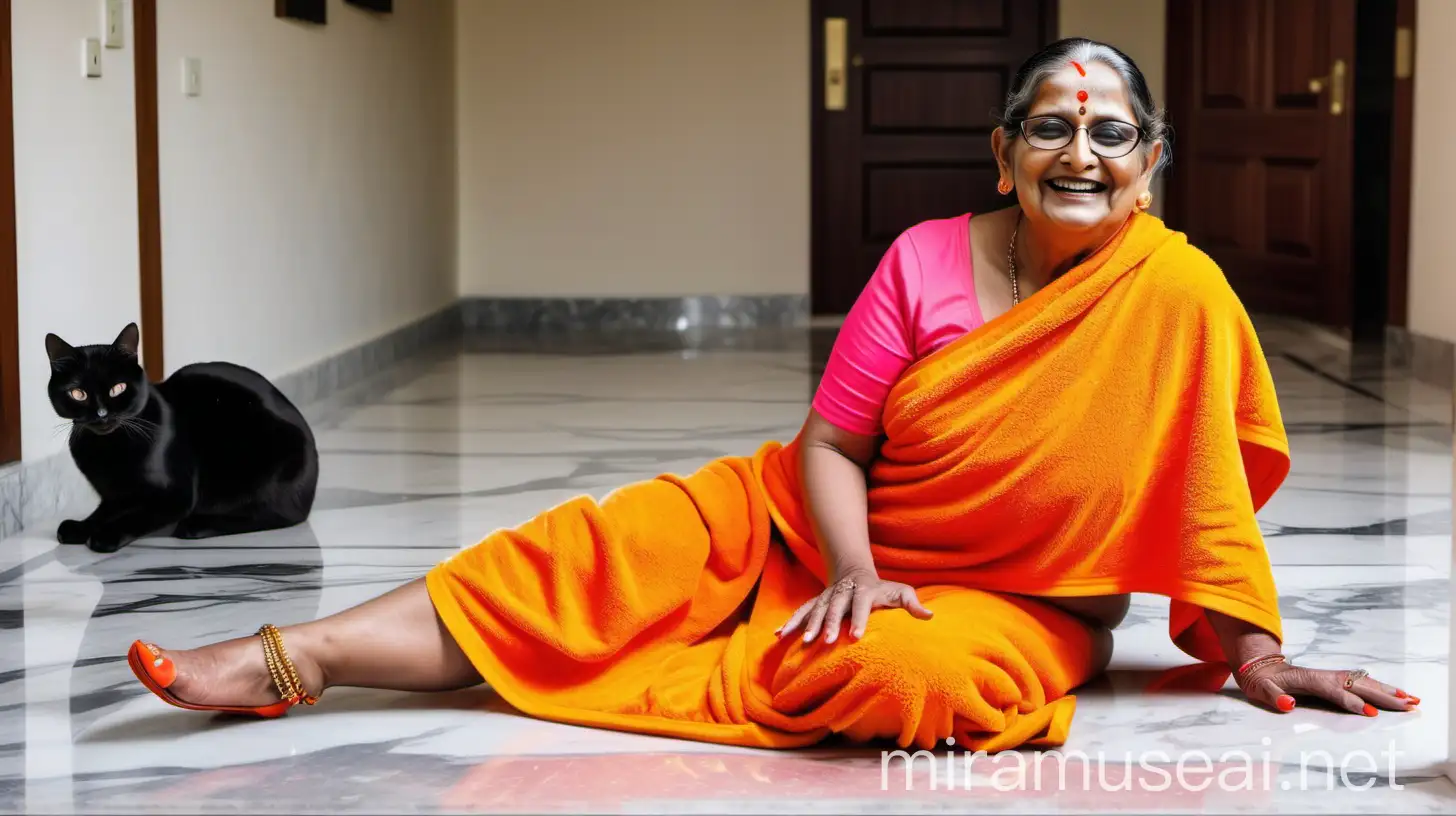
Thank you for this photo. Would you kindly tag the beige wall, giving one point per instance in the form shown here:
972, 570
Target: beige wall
633, 148
308, 193
75, 196
1433, 240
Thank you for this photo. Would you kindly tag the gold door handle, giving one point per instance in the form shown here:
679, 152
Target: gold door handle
1336, 83
836, 47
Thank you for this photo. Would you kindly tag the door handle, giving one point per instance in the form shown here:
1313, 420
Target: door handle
836, 79
1336, 83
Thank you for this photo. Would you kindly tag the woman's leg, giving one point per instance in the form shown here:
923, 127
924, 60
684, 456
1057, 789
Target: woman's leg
395, 642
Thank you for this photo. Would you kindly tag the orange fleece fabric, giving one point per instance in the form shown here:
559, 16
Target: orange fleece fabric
1114, 433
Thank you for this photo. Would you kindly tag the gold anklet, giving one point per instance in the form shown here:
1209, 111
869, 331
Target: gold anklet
285, 674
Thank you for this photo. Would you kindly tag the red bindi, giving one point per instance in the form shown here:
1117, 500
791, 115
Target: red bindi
1081, 96
1079, 68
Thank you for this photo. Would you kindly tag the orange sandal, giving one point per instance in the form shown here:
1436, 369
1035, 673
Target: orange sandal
158, 673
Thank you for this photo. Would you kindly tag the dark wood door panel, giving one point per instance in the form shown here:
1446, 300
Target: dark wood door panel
1291, 204
896, 195
1228, 66
1224, 133
1298, 49
932, 99
984, 18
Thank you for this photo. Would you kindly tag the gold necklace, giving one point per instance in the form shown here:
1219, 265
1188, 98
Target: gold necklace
1011, 262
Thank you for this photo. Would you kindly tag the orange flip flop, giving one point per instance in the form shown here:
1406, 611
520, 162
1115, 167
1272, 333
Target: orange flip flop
158, 673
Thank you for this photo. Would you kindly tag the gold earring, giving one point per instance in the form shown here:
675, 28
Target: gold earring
1004, 187
1144, 201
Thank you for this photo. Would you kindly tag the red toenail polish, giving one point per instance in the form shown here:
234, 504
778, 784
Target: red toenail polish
1401, 694
1285, 702
1370, 710
1415, 701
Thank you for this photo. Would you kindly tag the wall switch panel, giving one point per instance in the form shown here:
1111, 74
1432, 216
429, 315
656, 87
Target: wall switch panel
191, 76
113, 23
91, 57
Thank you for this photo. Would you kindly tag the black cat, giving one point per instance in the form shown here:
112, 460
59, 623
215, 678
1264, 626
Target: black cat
214, 449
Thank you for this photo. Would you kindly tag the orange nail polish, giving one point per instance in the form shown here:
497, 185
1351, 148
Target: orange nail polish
1415, 701
1370, 710
1401, 694
1285, 702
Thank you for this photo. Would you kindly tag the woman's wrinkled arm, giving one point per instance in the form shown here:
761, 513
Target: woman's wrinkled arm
833, 466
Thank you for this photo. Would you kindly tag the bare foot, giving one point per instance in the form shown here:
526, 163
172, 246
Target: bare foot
234, 673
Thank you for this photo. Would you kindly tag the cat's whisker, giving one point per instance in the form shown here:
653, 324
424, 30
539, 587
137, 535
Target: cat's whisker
138, 429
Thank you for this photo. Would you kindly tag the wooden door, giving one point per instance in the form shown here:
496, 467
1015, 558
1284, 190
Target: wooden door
902, 122
149, 185
1260, 97
9, 309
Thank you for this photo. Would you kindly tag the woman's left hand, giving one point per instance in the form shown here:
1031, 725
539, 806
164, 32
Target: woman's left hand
1277, 684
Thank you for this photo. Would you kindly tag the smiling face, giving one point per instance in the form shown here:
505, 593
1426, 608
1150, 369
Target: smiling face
1084, 185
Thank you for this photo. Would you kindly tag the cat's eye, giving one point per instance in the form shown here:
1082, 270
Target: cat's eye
78, 395
118, 389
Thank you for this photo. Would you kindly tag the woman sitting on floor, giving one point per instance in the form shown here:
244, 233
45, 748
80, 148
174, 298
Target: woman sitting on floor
1028, 415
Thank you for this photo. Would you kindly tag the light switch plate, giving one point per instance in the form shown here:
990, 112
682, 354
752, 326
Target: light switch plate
91, 57
113, 23
191, 76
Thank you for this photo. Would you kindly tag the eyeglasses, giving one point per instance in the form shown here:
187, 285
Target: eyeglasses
1110, 139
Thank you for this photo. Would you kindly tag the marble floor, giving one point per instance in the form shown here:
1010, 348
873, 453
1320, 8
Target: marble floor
430, 456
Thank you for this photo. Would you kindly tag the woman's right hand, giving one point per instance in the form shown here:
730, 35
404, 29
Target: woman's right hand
856, 594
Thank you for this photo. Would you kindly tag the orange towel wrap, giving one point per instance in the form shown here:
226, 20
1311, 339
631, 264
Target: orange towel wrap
1116, 433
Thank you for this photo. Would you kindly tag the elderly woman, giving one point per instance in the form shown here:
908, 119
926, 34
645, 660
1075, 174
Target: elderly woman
1028, 415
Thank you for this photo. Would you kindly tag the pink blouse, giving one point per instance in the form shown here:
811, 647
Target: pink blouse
922, 296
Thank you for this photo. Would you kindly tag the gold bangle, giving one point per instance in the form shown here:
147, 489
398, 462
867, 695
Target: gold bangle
1256, 664
281, 668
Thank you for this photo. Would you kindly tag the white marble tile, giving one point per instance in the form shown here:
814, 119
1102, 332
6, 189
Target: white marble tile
454, 447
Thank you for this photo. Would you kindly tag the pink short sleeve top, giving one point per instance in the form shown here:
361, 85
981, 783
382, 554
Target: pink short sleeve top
921, 296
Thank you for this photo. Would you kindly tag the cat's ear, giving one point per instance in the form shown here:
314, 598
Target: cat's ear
58, 350
128, 341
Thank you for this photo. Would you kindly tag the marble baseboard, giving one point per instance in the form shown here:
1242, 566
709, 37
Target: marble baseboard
329, 376
612, 314
10, 492
1429, 359
48, 488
